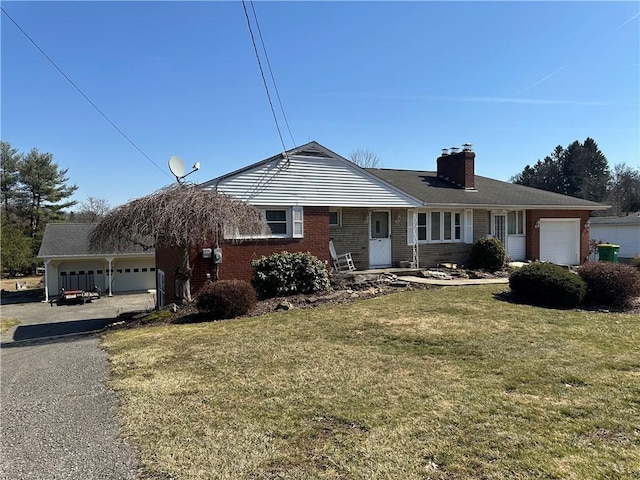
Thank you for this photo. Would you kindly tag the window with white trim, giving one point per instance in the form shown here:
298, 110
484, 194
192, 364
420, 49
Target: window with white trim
277, 221
515, 222
440, 226
335, 217
283, 222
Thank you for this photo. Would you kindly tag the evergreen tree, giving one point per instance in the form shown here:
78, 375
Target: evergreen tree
580, 170
16, 247
586, 171
44, 190
10, 159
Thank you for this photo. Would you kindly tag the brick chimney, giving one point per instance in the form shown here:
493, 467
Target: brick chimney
457, 166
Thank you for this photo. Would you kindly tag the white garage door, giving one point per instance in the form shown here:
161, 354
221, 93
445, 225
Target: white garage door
131, 275
560, 240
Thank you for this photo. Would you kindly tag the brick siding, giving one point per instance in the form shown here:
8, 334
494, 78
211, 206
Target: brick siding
533, 234
236, 258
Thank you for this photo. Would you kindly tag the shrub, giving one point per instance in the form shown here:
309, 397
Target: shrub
287, 273
226, 298
611, 284
547, 284
635, 262
488, 253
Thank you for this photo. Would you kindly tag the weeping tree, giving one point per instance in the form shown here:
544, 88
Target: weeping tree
181, 216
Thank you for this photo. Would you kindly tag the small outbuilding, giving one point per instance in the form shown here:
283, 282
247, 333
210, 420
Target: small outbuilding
623, 231
70, 265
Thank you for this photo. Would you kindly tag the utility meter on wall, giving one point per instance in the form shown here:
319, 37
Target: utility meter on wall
217, 255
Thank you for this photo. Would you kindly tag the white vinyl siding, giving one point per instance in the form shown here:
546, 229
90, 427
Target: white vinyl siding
313, 181
627, 236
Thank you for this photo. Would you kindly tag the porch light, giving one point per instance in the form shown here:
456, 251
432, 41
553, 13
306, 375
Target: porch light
587, 223
398, 218
537, 225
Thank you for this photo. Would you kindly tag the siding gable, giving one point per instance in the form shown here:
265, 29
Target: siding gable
318, 180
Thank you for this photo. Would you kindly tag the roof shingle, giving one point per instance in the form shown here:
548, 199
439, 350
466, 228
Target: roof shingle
71, 239
426, 186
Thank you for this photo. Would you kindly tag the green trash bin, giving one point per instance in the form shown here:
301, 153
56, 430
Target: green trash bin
608, 252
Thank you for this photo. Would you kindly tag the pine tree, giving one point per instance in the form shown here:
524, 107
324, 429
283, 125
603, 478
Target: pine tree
44, 190
580, 170
10, 159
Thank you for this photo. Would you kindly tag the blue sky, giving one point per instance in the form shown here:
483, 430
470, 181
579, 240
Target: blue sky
402, 79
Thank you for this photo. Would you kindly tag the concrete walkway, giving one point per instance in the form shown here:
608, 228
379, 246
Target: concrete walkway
59, 418
453, 282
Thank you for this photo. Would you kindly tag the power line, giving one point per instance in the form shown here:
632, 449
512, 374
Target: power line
82, 93
264, 81
273, 80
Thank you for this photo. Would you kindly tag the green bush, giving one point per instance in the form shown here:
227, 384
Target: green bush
488, 253
285, 273
547, 284
226, 298
635, 262
611, 284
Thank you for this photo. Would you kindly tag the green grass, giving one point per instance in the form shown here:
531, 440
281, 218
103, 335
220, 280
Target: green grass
8, 323
436, 384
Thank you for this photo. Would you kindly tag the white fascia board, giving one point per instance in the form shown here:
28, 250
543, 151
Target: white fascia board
97, 256
494, 206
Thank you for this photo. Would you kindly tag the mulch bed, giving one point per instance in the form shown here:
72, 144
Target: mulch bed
344, 290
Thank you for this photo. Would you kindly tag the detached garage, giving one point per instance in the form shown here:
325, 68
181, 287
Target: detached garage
70, 265
623, 231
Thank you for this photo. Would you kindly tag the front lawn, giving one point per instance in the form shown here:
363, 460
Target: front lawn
433, 384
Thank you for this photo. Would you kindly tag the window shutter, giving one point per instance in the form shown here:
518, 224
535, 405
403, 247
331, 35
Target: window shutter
410, 221
297, 222
468, 226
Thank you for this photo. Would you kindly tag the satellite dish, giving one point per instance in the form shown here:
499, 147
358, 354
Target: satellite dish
176, 165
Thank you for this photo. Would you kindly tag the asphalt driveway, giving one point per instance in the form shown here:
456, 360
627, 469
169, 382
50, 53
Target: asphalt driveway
59, 419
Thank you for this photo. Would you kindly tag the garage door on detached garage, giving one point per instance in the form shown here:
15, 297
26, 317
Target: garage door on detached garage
560, 240
132, 275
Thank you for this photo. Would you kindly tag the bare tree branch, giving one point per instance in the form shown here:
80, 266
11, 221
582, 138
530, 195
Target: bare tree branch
365, 158
179, 215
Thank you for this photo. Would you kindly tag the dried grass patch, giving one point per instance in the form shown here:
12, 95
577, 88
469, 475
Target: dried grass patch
7, 324
442, 384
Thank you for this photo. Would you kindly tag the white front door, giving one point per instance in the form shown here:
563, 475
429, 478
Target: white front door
379, 239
